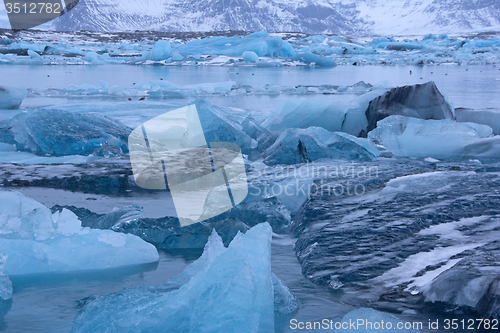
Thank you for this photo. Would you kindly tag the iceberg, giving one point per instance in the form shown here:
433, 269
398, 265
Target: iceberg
160, 51
332, 116
5, 283
11, 98
223, 291
313, 59
485, 150
440, 139
250, 56
369, 320
260, 43
296, 145
49, 132
485, 117
422, 101
37, 241
218, 126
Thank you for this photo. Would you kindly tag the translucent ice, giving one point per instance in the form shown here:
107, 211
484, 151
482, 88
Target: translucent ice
37, 241
160, 51
441, 139
333, 116
250, 56
60, 133
11, 98
260, 43
224, 290
304, 145
218, 126
310, 58
5, 283
485, 117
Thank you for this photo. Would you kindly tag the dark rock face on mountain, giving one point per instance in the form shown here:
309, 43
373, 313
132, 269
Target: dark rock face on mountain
422, 101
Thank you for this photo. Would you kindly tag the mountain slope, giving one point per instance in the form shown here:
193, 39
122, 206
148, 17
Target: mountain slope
346, 17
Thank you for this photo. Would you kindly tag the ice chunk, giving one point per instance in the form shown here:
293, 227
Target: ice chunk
60, 133
485, 150
5, 283
368, 321
38, 241
332, 116
485, 117
304, 145
11, 98
219, 127
261, 45
226, 289
160, 51
285, 301
422, 101
441, 139
313, 59
250, 56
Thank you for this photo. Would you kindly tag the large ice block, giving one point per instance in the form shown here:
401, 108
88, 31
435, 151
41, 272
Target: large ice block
297, 145
441, 139
223, 291
60, 133
37, 241
11, 98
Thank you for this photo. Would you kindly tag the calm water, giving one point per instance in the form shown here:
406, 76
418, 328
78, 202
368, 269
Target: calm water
467, 86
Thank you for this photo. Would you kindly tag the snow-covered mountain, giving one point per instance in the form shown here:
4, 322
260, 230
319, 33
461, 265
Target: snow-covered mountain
395, 17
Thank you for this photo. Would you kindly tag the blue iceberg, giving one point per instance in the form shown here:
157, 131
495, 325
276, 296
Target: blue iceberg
440, 139
49, 132
305, 145
11, 98
37, 241
223, 291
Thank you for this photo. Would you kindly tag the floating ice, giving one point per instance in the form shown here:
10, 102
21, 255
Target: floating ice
422, 101
323, 51
224, 290
304, 145
313, 59
250, 56
160, 51
486, 150
441, 139
260, 43
37, 241
59, 133
219, 127
367, 320
485, 117
5, 283
11, 98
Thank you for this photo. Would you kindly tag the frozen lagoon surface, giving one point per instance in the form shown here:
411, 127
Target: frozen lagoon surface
53, 301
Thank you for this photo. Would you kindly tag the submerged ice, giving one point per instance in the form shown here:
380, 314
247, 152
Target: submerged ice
37, 241
224, 290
